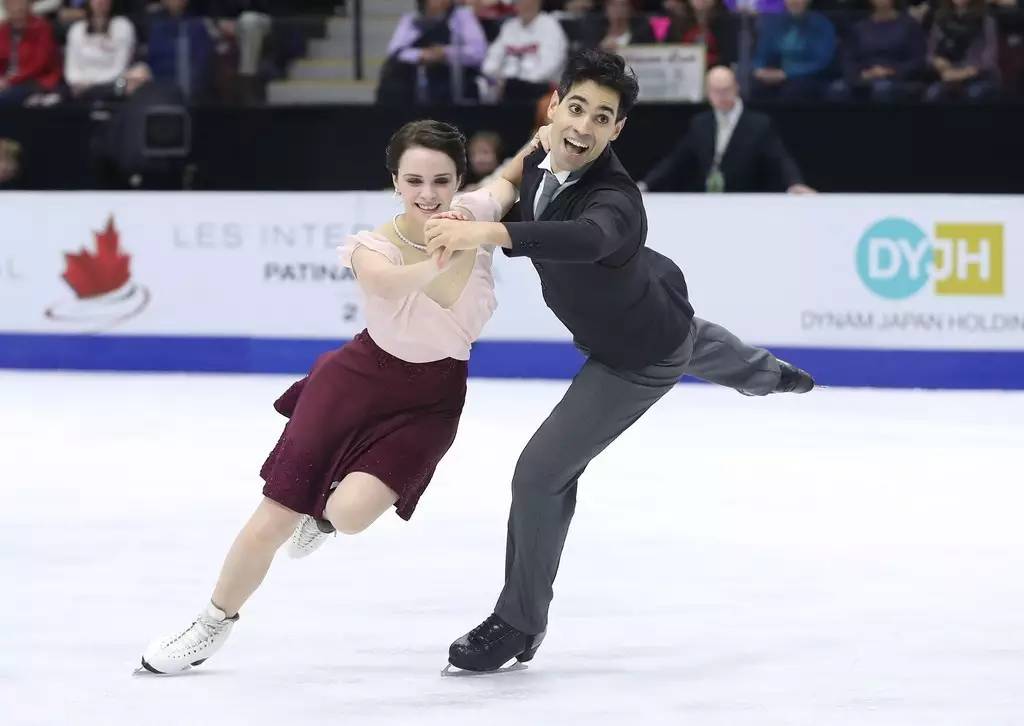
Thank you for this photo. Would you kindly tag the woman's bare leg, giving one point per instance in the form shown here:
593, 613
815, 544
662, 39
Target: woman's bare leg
250, 556
357, 502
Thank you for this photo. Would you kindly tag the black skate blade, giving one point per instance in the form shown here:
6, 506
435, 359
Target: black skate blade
451, 671
146, 670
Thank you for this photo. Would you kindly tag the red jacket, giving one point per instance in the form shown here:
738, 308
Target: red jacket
37, 54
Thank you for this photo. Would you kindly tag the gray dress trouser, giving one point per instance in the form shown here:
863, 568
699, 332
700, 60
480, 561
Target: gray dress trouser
600, 404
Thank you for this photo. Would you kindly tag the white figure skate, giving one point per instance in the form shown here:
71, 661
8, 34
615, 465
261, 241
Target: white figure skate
308, 536
199, 641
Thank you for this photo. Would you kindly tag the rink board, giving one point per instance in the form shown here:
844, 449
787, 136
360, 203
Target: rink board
864, 290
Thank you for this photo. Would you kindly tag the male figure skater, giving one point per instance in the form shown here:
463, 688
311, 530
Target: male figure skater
584, 228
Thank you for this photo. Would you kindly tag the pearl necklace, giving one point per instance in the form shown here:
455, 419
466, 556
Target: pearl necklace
414, 245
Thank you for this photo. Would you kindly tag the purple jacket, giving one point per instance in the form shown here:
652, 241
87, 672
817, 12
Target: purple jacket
469, 44
763, 7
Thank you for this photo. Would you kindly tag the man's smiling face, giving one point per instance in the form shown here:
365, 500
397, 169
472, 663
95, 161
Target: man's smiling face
582, 124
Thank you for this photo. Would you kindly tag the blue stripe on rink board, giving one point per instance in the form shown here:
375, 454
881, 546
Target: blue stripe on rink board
497, 359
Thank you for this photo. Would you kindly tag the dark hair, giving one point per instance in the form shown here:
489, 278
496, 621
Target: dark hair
435, 135
605, 69
89, 16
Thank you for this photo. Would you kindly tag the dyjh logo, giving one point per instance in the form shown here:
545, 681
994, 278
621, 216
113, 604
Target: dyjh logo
897, 259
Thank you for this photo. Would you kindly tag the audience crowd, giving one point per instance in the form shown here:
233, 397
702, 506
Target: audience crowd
493, 51
502, 51
797, 50
54, 51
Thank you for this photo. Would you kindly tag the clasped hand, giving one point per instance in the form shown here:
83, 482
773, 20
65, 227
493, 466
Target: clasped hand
449, 232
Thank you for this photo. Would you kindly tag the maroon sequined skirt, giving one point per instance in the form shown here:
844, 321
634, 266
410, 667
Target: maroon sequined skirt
362, 409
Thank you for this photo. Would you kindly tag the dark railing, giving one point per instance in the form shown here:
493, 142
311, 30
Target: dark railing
357, 33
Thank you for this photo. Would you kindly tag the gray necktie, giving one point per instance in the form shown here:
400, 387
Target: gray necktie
550, 186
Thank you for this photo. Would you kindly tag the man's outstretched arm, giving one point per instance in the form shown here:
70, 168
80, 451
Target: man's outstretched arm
608, 223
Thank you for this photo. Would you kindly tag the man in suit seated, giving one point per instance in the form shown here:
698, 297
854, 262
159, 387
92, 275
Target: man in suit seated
727, 149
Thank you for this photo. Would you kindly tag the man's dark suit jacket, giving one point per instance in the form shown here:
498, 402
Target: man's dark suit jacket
626, 305
754, 161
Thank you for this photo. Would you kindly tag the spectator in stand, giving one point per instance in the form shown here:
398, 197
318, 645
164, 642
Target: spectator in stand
924, 11
884, 56
28, 55
703, 22
485, 150
527, 57
98, 51
434, 56
795, 53
618, 26
962, 51
180, 48
248, 22
727, 149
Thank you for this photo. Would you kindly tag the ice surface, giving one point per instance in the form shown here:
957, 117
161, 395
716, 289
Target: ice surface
848, 557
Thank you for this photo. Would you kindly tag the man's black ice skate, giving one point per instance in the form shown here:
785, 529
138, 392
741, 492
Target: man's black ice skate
793, 379
490, 645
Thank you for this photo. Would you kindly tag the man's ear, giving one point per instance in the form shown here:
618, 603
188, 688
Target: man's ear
618, 129
552, 105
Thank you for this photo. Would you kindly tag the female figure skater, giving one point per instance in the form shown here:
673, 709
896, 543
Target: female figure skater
370, 422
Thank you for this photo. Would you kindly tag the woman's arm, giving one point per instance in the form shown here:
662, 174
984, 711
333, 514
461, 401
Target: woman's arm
124, 46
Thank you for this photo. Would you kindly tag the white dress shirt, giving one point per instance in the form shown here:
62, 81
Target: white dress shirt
561, 176
725, 123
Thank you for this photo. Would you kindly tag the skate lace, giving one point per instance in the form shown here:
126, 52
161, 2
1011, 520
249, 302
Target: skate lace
308, 532
202, 628
490, 623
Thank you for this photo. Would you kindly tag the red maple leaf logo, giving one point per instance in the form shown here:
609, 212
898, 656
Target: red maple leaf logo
92, 275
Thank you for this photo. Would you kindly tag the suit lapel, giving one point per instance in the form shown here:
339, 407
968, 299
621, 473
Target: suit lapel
532, 177
567, 196
710, 133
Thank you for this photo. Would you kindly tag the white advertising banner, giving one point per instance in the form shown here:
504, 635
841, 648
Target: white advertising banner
206, 264
830, 271
668, 73
867, 271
